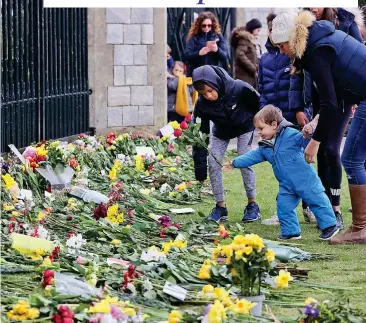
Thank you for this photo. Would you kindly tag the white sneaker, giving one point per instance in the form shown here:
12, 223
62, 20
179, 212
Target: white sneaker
273, 220
308, 215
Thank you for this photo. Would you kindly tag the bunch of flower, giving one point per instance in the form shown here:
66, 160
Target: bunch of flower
139, 160
100, 212
113, 216
75, 242
111, 136
48, 278
115, 170
177, 243
35, 155
22, 311
11, 185
55, 253
129, 275
166, 222
205, 270
240, 255
63, 315
74, 164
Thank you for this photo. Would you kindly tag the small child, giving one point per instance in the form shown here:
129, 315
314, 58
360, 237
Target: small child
283, 147
181, 94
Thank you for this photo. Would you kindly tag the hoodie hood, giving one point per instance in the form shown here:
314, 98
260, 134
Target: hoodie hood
215, 77
239, 33
350, 15
282, 125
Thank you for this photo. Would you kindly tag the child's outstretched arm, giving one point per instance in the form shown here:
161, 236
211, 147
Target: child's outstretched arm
249, 159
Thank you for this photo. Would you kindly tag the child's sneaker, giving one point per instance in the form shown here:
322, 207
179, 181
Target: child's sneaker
290, 237
273, 220
218, 214
339, 218
309, 216
251, 213
329, 232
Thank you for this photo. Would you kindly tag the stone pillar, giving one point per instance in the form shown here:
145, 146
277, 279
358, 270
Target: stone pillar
127, 68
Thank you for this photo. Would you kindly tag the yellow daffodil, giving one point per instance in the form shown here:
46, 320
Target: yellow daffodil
174, 317
220, 293
181, 187
22, 312
46, 262
283, 279
116, 241
242, 306
159, 156
207, 289
100, 307
139, 163
8, 207
9, 181
310, 300
205, 270
129, 311
217, 313
270, 255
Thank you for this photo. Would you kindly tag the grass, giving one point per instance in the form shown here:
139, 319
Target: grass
345, 269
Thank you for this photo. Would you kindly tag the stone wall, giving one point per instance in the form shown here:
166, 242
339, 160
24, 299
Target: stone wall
127, 67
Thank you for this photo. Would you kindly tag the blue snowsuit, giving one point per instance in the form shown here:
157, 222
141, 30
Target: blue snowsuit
297, 179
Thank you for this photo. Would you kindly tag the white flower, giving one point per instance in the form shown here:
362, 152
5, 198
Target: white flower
165, 188
108, 318
43, 233
147, 285
75, 241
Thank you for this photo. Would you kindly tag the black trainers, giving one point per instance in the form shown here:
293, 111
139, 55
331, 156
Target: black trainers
290, 237
339, 218
251, 213
218, 214
329, 232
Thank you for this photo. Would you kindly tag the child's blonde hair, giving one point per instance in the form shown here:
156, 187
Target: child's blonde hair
168, 49
179, 63
269, 114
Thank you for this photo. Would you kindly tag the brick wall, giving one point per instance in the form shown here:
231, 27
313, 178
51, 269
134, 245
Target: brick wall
131, 98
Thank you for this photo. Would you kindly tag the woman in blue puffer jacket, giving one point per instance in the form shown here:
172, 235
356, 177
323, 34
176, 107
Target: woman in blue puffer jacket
205, 45
273, 86
302, 93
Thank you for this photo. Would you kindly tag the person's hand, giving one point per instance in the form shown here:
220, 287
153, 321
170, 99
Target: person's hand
214, 47
311, 151
228, 166
354, 107
204, 51
168, 56
307, 131
301, 118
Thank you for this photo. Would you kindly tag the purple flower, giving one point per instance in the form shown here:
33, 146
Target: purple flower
207, 309
96, 318
311, 311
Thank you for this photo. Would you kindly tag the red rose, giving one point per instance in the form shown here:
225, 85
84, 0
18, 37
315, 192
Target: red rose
177, 132
184, 125
188, 118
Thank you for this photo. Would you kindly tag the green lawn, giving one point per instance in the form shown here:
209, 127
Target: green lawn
347, 266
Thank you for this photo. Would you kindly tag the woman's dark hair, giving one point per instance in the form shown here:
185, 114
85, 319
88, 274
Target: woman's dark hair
330, 14
196, 26
363, 9
270, 17
252, 25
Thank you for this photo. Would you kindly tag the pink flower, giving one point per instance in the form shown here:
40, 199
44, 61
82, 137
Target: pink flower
170, 148
188, 118
80, 260
183, 125
177, 132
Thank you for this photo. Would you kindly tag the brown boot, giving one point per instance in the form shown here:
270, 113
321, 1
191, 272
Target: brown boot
356, 233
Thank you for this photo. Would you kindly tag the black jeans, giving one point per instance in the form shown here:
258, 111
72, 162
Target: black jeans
329, 157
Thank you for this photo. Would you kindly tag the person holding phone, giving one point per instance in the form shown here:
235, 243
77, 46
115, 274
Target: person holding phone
205, 44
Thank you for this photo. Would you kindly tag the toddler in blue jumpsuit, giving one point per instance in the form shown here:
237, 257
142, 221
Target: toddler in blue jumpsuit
283, 147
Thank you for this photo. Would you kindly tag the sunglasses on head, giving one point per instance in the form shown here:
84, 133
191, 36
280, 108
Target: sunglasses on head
204, 25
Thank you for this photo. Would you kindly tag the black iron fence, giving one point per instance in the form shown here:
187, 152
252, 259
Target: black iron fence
44, 72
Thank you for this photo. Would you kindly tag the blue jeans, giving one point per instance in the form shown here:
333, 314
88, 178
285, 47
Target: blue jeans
354, 152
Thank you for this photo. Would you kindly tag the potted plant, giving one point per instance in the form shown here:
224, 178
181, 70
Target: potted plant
247, 259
